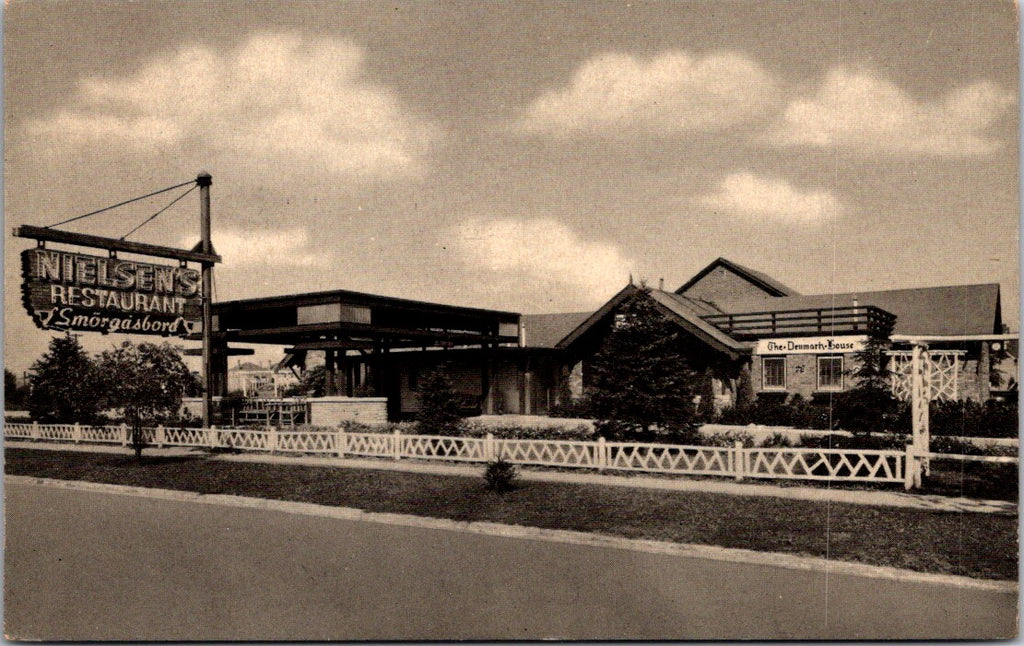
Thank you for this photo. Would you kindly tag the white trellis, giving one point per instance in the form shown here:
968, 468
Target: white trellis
942, 373
921, 392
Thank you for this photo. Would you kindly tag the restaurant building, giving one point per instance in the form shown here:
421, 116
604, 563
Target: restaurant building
737, 323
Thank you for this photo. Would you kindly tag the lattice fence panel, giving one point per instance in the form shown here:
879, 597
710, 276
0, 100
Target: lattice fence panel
825, 464
667, 458
371, 444
18, 431
56, 431
186, 436
549, 453
242, 439
464, 449
306, 442
102, 434
943, 372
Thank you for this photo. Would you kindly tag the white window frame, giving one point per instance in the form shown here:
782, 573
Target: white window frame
764, 373
842, 366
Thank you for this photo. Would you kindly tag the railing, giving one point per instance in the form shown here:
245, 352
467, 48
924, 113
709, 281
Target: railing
821, 321
734, 461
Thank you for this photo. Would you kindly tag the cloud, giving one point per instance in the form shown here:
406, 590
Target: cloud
857, 111
542, 253
279, 249
671, 93
749, 195
275, 99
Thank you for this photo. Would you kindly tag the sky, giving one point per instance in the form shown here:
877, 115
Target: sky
524, 156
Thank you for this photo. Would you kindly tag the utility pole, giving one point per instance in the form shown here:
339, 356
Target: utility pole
204, 180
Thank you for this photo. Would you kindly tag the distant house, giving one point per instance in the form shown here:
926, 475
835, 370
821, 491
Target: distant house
737, 323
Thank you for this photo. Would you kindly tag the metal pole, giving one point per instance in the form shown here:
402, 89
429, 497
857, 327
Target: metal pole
204, 180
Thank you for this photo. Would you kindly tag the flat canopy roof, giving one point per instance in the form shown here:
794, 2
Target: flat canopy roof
344, 319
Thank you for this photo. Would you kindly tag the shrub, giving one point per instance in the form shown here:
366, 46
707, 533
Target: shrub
439, 405
972, 419
580, 432
891, 442
572, 408
776, 441
728, 439
869, 410
500, 475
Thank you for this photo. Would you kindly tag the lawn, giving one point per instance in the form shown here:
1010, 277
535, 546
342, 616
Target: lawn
971, 544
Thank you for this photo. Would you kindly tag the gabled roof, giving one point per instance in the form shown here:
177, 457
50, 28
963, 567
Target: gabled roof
546, 330
947, 310
759, 279
684, 311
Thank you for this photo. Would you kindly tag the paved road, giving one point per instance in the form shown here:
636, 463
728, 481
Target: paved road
97, 566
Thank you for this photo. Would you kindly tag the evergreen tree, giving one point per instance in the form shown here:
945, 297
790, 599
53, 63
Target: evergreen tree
64, 384
439, 405
14, 395
145, 383
869, 405
641, 381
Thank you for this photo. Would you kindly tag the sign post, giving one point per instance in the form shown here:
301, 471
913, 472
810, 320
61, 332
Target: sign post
204, 180
64, 290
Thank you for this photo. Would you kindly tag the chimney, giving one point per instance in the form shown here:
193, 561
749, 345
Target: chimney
661, 284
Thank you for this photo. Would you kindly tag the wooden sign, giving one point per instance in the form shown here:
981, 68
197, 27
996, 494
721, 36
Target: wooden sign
73, 291
812, 345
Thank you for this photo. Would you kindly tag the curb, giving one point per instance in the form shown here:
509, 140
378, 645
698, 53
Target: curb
685, 550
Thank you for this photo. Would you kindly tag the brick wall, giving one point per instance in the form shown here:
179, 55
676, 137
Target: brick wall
332, 411
722, 285
801, 374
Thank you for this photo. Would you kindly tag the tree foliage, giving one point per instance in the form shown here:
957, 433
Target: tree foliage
869, 406
64, 384
15, 395
145, 383
641, 380
312, 383
439, 404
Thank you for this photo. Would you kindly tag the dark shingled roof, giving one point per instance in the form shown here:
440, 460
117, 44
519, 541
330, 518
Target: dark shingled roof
546, 330
760, 279
951, 310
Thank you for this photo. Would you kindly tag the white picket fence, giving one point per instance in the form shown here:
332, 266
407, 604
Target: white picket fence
730, 461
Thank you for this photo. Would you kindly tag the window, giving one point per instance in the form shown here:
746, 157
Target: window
773, 373
830, 373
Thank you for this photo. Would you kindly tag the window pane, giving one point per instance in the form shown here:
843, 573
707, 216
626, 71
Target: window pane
830, 373
774, 372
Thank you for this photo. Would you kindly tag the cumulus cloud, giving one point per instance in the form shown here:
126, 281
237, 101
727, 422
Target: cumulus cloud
747, 194
274, 99
858, 111
670, 93
280, 248
541, 252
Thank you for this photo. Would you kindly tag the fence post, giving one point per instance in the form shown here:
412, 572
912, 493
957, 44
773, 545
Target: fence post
738, 460
211, 436
76, 434
271, 439
396, 444
910, 468
35, 430
602, 454
489, 447
161, 436
341, 442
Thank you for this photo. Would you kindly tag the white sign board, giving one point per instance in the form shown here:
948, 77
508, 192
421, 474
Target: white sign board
812, 345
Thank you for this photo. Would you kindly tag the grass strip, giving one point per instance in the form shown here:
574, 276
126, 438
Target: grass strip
970, 544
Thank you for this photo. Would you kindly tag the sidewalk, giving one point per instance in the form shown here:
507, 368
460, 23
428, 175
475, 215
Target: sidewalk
847, 496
